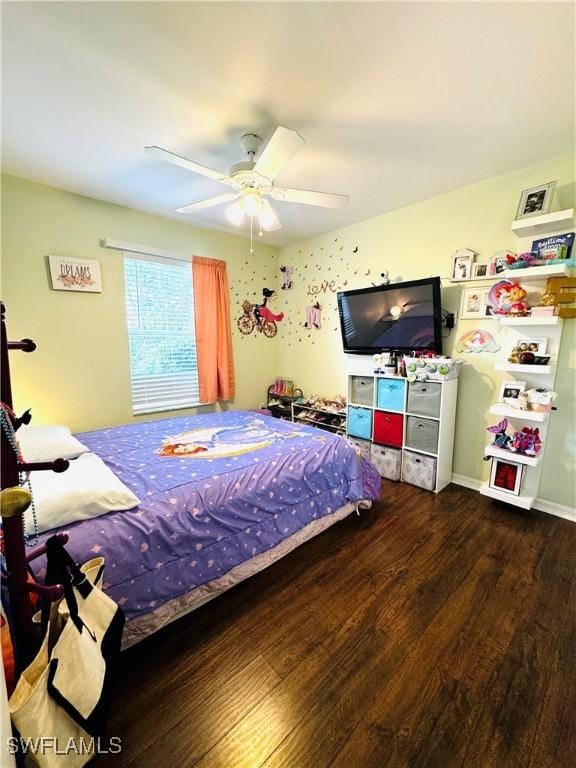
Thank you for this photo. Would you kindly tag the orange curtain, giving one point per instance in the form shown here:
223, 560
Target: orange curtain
213, 330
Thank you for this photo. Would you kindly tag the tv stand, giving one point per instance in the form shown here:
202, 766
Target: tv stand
405, 428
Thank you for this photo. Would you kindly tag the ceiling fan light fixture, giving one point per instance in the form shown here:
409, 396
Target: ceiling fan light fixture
235, 213
267, 216
252, 202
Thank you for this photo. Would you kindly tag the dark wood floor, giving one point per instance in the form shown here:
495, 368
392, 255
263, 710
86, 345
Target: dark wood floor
431, 631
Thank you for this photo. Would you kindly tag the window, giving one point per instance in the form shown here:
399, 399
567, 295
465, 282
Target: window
160, 319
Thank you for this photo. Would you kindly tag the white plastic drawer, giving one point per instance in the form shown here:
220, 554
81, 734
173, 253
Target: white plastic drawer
424, 398
422, 434
419, 470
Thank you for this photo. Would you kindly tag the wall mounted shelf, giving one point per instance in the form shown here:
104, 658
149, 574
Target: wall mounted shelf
529, 274
499, 409
517, 458
542, 370
534, 225
524, 500
553, 320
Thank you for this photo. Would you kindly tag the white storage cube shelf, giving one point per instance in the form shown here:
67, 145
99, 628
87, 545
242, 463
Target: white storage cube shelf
438, 415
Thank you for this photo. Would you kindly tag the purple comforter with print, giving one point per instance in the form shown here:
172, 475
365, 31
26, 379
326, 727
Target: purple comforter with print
231, 486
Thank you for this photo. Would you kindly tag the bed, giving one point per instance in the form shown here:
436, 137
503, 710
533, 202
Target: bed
222, 496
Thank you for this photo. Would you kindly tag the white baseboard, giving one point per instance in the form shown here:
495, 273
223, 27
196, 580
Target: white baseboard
568, 513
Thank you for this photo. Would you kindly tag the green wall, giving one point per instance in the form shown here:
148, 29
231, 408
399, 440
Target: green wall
79, 374
415, 242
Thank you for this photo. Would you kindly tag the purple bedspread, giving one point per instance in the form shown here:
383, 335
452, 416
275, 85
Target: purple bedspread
252, 482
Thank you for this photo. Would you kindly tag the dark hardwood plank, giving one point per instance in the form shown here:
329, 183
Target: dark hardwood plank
430, 631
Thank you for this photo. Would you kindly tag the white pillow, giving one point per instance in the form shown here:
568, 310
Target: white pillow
48, 443
87, 489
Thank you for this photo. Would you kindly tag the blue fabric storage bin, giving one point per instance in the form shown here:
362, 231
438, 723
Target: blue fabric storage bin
391, 394
360, 422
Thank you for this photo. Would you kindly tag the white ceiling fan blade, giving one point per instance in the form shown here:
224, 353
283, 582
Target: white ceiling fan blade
308, 197
268, 219
209, 202
278, 152
190, 165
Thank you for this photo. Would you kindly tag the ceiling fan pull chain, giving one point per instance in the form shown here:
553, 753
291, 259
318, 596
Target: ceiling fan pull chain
251, 237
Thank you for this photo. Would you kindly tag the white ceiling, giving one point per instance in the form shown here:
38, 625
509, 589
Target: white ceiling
397, 101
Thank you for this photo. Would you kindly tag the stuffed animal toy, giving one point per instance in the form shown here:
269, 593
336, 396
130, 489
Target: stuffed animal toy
501, 439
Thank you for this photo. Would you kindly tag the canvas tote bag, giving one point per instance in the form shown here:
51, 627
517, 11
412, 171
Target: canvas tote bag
64, 694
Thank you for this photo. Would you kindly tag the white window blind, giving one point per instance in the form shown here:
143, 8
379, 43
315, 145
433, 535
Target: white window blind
160, 319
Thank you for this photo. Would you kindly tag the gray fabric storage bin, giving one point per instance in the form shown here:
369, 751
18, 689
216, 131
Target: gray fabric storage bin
419, 470
387, 461
363, 445
424, 398
422, 434
362, 390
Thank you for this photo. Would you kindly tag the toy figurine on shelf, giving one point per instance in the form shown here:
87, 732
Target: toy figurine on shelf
507, 297
500, 439
547, 306
532, 442
527, 442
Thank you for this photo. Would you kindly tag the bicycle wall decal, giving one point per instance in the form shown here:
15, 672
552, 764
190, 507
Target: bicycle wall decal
258, 317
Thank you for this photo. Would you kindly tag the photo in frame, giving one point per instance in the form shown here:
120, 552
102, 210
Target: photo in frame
506, 476
537, 346
536, 201
510, 391
462, 263
480, 270
474, 303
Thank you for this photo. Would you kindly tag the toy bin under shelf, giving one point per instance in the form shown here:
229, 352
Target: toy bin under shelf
364, 446
419, 470
390, 394
360, 422
422, 434
361, 390
388, 461
424, 398
388, 428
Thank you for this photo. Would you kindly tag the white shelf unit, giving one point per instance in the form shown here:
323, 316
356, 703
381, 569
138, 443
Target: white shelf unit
524, 500
528, 274
531, 321
501, 453
535, 376
499, 409
445, 421
547, 222
535, 370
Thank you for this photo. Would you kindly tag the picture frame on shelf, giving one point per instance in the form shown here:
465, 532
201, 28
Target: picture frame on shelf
506, 476
462, 263
538, 346
500, 262
474, 303
536, 201
480, 270
510, 392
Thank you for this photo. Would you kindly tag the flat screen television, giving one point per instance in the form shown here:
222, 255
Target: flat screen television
399, 317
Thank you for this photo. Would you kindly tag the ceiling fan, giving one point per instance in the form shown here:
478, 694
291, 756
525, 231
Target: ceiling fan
252, 180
